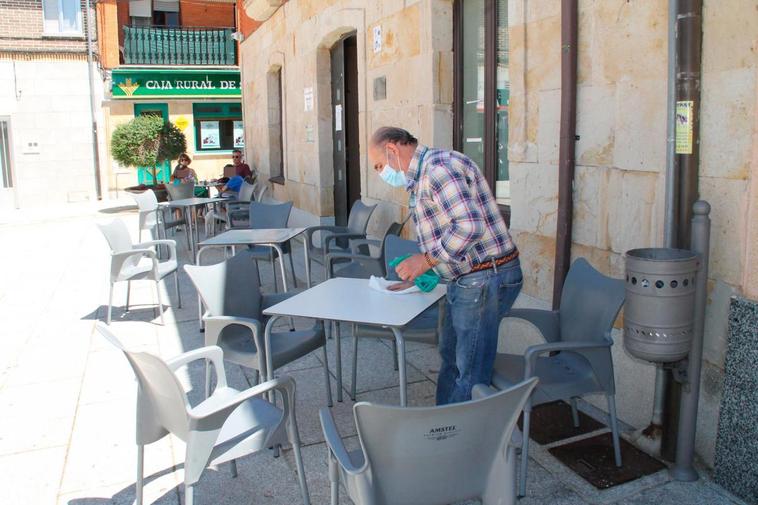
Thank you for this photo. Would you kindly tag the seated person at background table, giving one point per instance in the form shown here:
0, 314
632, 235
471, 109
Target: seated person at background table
182, 173
241, 169
232, 187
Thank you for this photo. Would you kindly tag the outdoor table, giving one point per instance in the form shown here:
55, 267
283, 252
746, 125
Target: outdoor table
353, 301
272, 237
186, 204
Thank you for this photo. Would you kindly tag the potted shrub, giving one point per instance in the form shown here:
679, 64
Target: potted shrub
147, 141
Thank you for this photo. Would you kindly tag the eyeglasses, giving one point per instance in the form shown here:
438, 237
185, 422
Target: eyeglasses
236, 157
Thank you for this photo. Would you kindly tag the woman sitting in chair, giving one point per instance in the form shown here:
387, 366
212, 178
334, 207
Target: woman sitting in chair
182, 173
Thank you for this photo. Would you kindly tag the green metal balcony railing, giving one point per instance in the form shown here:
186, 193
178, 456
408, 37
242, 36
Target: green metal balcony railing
179, 46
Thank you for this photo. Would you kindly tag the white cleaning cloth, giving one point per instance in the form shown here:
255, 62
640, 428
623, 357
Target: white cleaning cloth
382, 284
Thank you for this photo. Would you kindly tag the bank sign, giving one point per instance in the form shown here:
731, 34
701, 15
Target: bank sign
174, 83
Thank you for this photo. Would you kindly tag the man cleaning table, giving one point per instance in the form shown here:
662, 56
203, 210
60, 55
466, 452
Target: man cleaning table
464, 240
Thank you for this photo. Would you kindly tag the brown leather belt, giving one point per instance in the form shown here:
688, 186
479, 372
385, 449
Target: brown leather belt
495, 263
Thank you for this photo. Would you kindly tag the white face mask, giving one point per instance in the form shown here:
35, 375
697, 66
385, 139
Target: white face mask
395, 178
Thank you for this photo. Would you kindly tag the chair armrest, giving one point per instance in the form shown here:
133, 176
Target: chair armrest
308, 233
271, 299
355, 244
533, 352
480, 391
119, 258
171, 244
204, 418
546, 321
214, 325
212, 353
335, 443
360, 258
334, 236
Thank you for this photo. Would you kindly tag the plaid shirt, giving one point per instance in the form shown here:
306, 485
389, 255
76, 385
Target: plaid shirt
457, 219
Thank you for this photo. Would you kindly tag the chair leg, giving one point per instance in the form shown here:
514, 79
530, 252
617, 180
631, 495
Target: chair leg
338, 358
160, 302
614, 428
110, 306
258, 271
178, 295
292, 267
273, 272
233, 467
524, 452
574, 413
334, 480
394, 354
327, 379
300, 469
354, 381
128, 292
139, 486
189, 498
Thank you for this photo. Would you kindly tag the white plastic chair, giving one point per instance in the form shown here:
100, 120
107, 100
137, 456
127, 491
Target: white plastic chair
153, 218
130, 262
431, 455
227, 425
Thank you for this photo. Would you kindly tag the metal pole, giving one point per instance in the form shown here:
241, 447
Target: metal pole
93, 112
569, 51
685, 444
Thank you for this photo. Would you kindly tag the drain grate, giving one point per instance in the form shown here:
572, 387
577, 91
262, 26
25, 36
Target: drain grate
592, 459
552, 422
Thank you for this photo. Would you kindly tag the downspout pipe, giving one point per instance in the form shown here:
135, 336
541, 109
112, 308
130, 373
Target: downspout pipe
92, 106
566, 163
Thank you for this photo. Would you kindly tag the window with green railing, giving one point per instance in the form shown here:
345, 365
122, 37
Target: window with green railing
155, 45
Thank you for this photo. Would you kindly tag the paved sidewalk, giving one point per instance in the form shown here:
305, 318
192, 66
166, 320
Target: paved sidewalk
67, 397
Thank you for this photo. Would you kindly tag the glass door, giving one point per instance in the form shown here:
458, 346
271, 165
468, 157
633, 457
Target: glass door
482, 87
145, 174
7, 189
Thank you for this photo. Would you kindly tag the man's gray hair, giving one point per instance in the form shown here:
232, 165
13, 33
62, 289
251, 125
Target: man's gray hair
392, 134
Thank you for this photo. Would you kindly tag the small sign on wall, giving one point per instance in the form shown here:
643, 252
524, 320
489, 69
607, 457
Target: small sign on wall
182, 123
308, 99
684, 113
378, 39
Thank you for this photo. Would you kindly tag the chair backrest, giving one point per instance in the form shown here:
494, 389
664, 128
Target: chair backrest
394, 247
247, 192
117, 235
180, 191
146, 200
360, 214
261, 192
265, 215
229, 288
590, 303
162, 402
439, 455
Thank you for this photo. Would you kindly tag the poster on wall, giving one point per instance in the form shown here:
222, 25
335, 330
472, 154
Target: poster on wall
209, 135
239, 135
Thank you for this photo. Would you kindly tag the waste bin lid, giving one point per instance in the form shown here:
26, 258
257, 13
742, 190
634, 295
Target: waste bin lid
661, 254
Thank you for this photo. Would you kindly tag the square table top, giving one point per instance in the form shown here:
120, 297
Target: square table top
353, 301
252, 236
192, 202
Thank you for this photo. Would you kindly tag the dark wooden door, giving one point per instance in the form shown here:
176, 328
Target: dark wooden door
346, 147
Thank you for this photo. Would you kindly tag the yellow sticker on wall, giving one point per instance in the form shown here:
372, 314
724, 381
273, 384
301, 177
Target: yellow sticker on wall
684, 110
182, 122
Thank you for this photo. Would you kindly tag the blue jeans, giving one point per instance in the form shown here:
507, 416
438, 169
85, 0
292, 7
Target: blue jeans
475, 304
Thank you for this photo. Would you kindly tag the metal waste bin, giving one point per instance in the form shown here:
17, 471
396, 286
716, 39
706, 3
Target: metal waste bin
660, 299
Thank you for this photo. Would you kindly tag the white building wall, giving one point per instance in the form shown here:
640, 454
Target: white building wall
48, 104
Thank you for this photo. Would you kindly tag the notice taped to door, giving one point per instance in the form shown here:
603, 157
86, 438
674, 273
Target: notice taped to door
684, 113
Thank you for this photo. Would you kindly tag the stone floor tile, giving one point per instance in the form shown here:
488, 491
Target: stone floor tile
31, 477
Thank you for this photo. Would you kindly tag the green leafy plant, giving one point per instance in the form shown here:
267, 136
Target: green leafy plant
147, 141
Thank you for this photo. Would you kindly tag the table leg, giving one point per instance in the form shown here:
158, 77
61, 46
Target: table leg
191, 234
268, 373
307, 262
401, 362
338, 362
199, 300
278, 250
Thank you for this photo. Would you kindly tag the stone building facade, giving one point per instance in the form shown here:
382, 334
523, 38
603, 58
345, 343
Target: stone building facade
405, 48
46, 140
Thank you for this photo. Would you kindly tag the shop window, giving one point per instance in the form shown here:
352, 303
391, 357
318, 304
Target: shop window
62, 17
482, 90
218, 127
275, 127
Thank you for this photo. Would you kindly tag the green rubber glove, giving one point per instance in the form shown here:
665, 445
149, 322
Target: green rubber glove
426, 282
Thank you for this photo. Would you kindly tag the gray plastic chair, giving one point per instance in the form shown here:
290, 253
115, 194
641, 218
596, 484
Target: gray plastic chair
267, 216
180, 191
580, 333
227, 425
131, 262
237, 210
152, 217
426, 328
430, 455
357, 223
234, 318
360, 263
